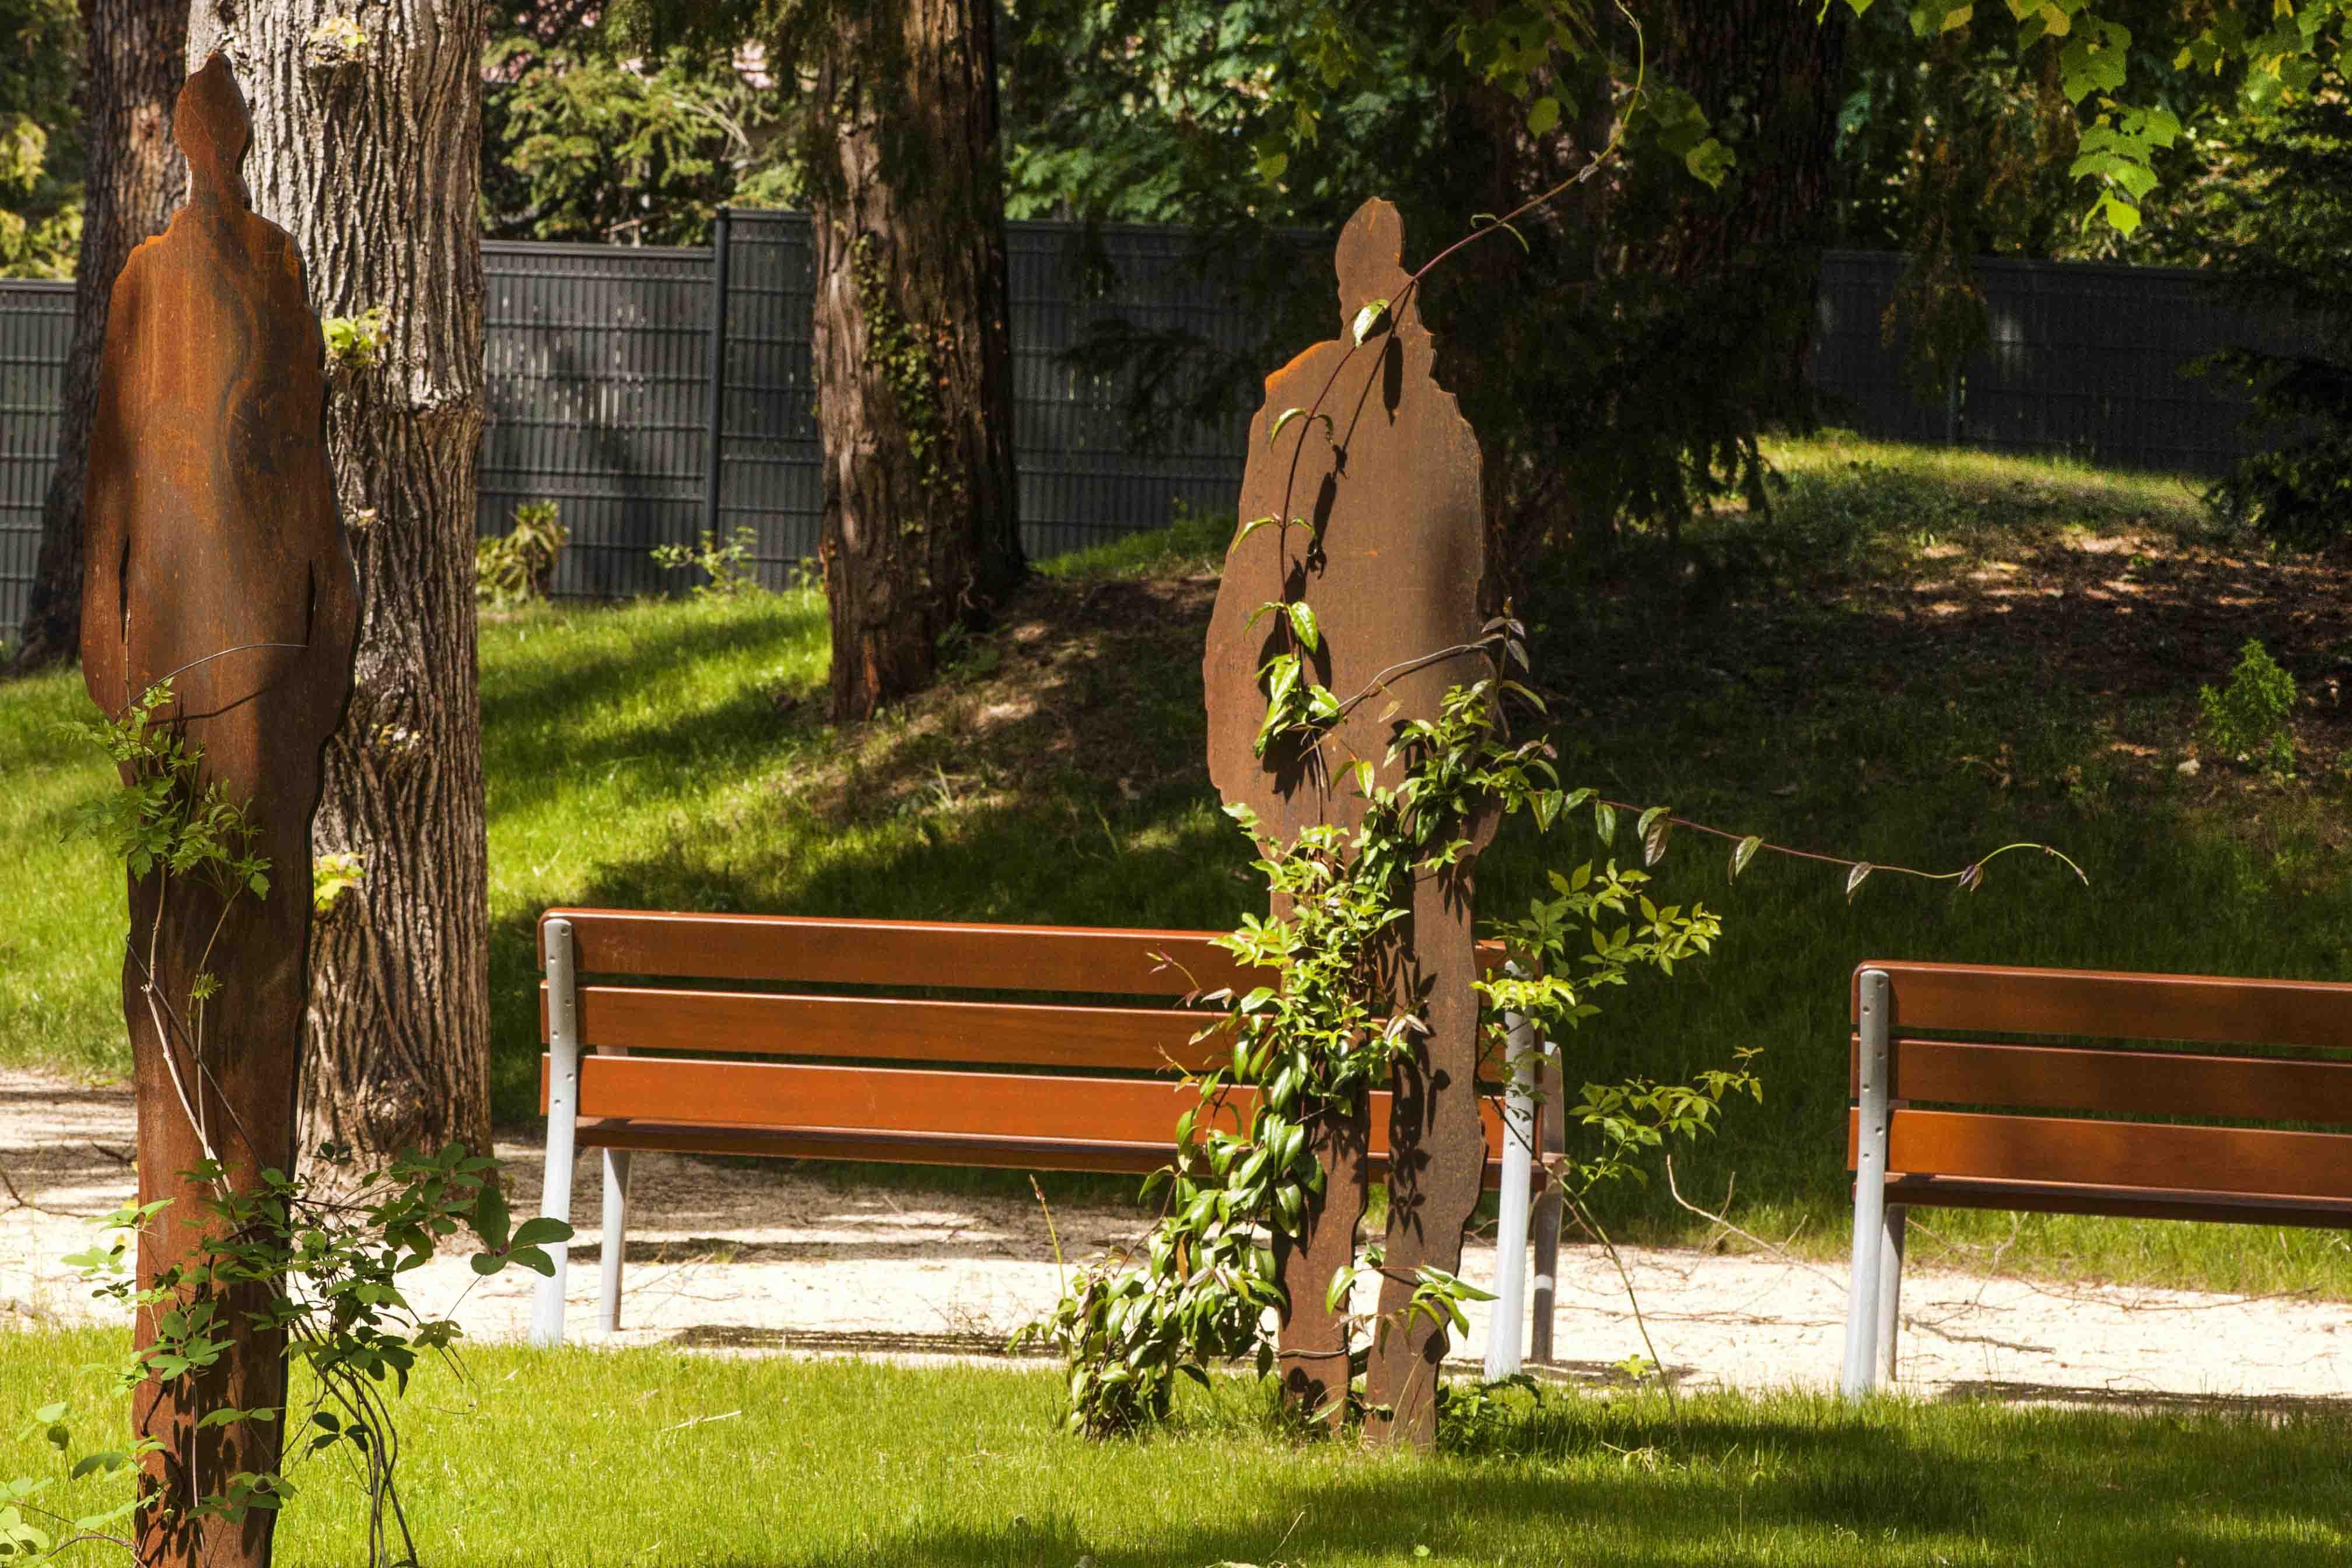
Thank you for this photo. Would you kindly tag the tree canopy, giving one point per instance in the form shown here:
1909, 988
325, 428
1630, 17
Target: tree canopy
40, 139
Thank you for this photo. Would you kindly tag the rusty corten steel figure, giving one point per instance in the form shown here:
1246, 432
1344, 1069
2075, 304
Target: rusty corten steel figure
1390, 556
212, 527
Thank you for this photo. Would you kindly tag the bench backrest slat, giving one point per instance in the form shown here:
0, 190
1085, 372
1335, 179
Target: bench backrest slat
811, 952
891, 1028
2069, 1151
654, 1018
2122, 1082
2210, 1009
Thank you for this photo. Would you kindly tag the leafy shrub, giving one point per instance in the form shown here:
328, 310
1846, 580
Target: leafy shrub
520, 565
2276, 226
729, 567
2249, 719
356, 343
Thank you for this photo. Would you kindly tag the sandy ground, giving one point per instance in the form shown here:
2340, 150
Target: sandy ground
755, 1257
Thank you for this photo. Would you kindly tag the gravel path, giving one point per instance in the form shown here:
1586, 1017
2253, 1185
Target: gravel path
764, 1256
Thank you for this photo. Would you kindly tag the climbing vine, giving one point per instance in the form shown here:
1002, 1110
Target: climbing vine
1325, 1029
907, 354
282, 1261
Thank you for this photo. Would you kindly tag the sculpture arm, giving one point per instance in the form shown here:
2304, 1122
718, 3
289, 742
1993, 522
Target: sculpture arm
107, 502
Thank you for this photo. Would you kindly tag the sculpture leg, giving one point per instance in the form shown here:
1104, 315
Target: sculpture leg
1313, 1337
1437, 1152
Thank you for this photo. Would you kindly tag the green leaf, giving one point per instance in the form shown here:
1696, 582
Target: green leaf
491, 1220
1252, 526
2120, 213
1542, 115
1369, 319
1656, 826
1302, 621
540, 1230
1743, 852
1605, 821
1855, 878
1710, 163
1281, 419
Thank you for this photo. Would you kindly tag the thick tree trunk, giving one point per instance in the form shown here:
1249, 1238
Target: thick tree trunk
133, 178
913, 370
1769, 73
369, 156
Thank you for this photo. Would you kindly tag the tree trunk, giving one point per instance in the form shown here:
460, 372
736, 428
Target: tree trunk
1770, 73
133, 178
913, 370
368, 152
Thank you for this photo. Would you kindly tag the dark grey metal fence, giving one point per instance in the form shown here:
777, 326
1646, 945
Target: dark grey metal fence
600, 363
36, 324
2085, 360
600, 380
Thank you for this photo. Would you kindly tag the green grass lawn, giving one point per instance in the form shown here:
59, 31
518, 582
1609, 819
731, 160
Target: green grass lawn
1920, 656
583, 1457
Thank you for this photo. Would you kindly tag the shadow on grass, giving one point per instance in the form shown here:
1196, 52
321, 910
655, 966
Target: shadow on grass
1719, 1492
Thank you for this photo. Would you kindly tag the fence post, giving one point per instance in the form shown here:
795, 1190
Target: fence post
716, 419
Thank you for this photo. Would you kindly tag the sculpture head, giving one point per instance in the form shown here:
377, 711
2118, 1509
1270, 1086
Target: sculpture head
213, 127
1369, 259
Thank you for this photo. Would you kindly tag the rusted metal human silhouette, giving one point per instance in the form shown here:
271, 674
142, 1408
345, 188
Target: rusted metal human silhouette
216, 559
1388, 550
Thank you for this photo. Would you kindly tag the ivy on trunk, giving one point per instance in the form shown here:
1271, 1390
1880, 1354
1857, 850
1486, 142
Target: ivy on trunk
912, 365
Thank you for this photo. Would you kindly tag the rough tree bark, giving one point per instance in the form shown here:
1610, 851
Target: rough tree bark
367, 150
913, 370
135, 177
1775, 71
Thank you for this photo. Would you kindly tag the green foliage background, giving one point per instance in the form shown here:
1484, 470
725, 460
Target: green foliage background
40, 139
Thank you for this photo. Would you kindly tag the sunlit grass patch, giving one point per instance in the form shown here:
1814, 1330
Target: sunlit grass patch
580, 1457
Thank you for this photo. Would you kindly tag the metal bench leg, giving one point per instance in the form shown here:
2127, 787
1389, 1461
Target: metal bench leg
1503, 1328
1862, 1307
562, 1118
1890, 1288
616, 1237
1549, 1208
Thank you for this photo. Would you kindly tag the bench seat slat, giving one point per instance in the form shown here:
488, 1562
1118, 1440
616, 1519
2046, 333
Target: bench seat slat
796, 1096
1135, 1040
2122, 1082
813, 951
2071, 1152
2125, 1203
909, 1149
2214, 1009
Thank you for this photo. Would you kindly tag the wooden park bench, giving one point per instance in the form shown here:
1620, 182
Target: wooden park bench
823, 1039
2074, 1129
